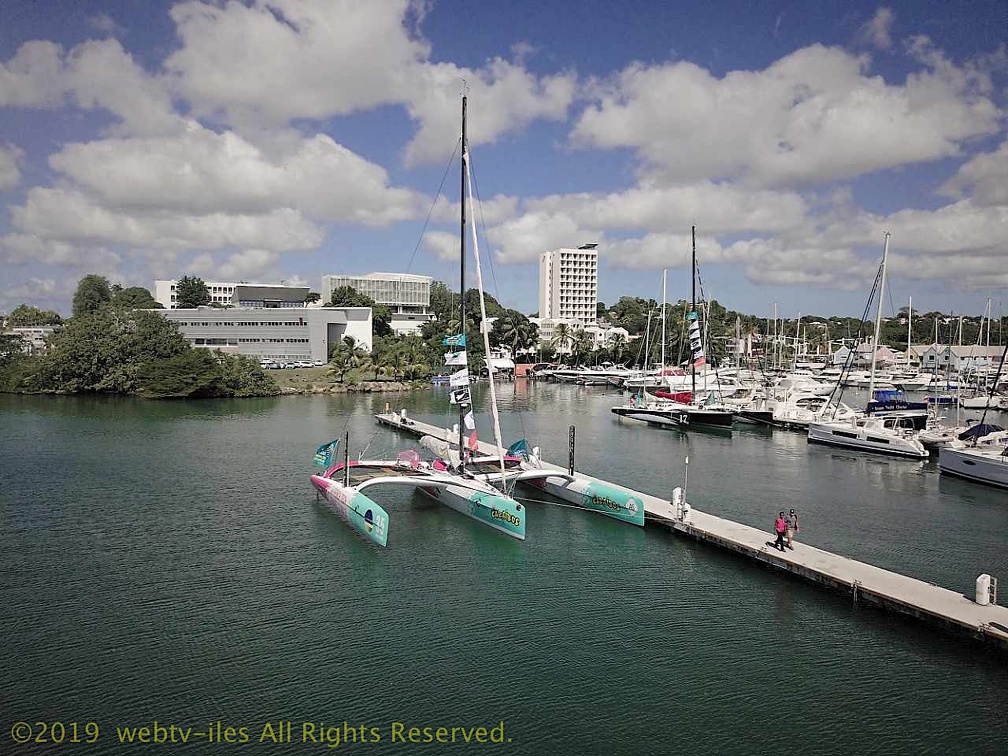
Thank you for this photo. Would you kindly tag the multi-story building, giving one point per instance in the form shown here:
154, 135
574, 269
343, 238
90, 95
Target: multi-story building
284, 334
405, 294
241, 294
568, 284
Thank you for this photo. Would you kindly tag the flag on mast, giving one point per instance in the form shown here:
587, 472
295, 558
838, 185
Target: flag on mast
324, 454
473, 442
696, 341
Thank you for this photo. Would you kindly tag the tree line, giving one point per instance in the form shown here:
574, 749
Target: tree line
114, 344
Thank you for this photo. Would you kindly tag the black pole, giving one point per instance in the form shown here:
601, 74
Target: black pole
346, 459
695, 315
570, 451
462, 307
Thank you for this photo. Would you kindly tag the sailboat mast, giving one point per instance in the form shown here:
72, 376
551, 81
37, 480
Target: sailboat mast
663, 273
693, 361
878, 321
909, 329
462, 306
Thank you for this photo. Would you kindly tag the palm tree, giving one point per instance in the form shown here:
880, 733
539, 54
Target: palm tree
617, 343
583, 343
561, 337
339, 364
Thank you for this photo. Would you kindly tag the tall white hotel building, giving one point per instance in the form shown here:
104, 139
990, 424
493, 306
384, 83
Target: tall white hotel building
568, 284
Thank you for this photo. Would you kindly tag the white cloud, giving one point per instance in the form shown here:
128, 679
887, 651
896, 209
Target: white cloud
985, 178
10, 174
69, 215
248, 265
201, 172
96, 74
21, 249
44, 293
524, 238
336, 57
814, 116
878, 31
325, 57
722, 208
503, 97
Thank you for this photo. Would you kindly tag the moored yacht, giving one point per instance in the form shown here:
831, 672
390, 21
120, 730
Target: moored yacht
890, 434
984, 462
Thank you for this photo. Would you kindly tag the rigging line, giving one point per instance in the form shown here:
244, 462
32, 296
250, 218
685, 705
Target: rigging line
430, 212
849, 360
493, 271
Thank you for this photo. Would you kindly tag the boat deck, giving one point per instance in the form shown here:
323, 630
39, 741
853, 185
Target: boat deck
864, 582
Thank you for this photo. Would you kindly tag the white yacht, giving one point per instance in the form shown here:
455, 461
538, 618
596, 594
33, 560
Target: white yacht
984, 462
891, 434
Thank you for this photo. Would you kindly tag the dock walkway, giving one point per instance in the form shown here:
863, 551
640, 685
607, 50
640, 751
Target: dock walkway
864, 582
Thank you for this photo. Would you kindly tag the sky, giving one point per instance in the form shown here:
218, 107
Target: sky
290, 139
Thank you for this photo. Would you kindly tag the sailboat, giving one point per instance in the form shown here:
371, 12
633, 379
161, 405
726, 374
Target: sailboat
681, 408
446, 479
892, 433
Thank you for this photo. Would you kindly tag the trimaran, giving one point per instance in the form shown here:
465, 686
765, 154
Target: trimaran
477, 486
446, 479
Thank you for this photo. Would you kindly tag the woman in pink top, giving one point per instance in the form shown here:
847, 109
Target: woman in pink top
780, 528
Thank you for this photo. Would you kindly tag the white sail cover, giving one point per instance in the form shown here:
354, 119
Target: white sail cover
443, 449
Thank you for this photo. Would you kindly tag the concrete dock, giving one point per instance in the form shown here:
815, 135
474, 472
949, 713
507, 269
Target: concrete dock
863, 582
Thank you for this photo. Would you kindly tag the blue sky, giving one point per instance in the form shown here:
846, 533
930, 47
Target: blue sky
269, 141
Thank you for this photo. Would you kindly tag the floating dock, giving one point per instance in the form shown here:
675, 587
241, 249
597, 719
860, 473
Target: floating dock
863, 582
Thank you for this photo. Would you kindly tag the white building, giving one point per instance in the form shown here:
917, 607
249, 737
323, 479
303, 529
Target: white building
405, 294
938, 357
240, 294
33, 337
602, 335
568, 284
283, 334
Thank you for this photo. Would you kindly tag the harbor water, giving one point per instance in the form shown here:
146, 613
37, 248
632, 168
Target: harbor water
169, 561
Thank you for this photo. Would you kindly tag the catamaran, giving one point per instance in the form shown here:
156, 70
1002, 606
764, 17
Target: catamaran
893, 433
445, 479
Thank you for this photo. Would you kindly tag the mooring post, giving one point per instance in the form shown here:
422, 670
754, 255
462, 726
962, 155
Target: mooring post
570, 452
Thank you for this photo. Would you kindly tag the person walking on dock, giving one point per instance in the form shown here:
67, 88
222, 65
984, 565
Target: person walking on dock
780, 527
792, 528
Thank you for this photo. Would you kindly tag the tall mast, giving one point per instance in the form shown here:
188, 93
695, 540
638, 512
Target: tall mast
878, 321
693, 360
663, 274
909, 329
462, 307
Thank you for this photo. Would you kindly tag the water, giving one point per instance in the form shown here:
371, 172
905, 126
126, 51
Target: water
169, 561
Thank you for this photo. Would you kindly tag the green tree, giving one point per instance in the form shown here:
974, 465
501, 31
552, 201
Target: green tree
25, 316
313, 296
134, 298
561, 340
103, 351
92, 292
584, 343
191, 292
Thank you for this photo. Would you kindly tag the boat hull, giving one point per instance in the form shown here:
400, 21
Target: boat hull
596, 496
659, 417
979, 468
848, 437
488, 507
354, 508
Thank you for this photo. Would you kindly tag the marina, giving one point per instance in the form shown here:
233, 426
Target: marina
927, 602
